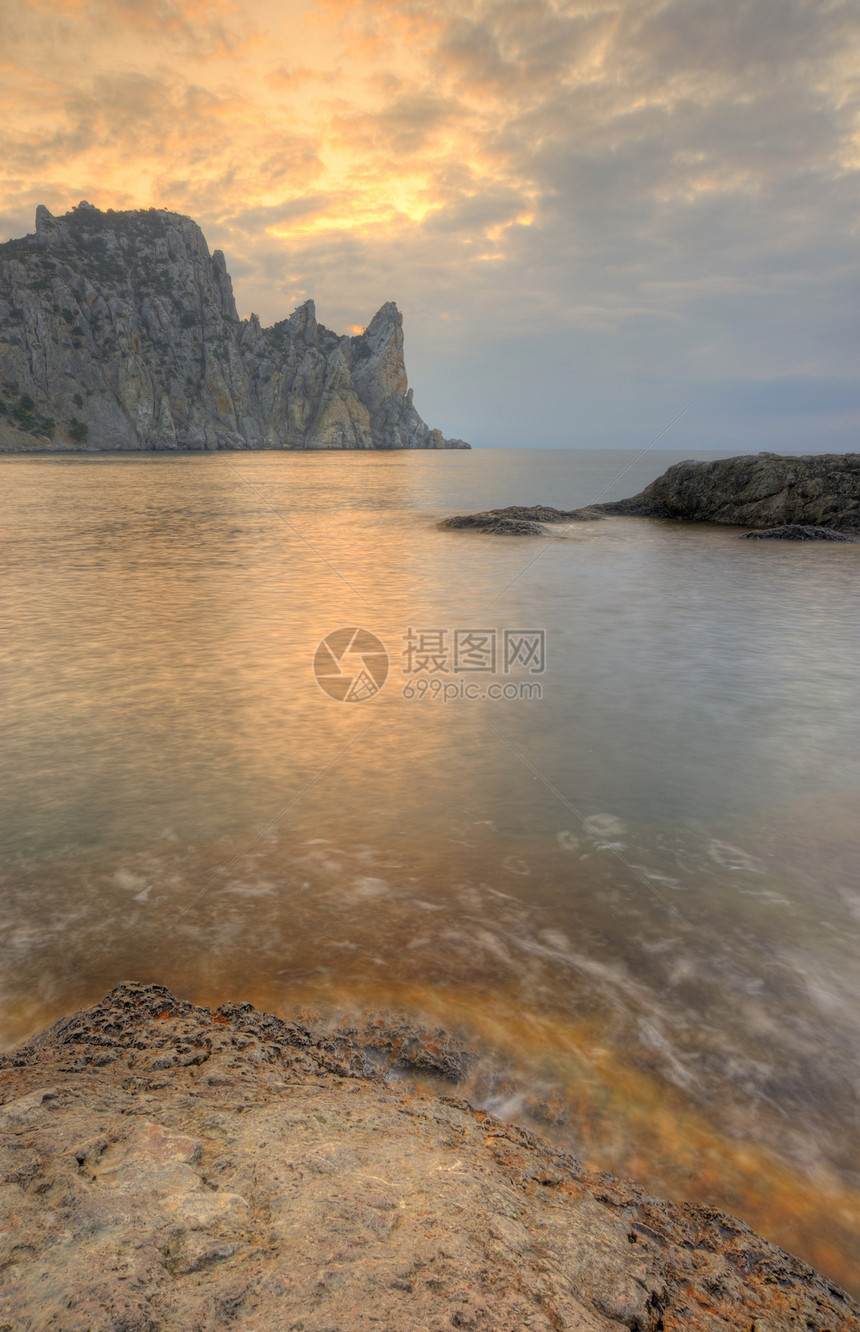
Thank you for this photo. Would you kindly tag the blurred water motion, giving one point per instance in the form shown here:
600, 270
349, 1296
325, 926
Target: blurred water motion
640, 891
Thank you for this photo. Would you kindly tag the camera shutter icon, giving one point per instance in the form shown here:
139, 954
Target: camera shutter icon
351, 665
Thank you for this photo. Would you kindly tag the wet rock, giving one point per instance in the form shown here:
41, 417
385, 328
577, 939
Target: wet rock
397, 1043
795, 532
518, 520
288, 1183
491, 522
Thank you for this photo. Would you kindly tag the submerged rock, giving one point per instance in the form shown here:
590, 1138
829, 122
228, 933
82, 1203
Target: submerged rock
167, 1167
118, 330
518, 519
494, 521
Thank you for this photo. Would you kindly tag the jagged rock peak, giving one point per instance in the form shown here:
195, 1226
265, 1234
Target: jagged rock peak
119, 330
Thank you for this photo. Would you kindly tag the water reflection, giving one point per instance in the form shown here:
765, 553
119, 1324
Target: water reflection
182, 803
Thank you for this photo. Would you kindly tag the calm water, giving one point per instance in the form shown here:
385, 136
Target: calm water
639, 891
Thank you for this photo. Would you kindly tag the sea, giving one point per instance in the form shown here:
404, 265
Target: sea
588, 799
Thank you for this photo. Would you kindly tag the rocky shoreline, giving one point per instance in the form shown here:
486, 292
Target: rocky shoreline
167, 1167
811, 498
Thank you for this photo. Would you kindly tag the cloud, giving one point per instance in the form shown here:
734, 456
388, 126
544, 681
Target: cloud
409, 122
756, 39
669, 186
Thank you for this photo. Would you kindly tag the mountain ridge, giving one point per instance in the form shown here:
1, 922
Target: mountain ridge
119, 331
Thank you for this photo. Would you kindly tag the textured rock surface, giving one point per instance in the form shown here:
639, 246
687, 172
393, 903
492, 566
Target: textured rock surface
793, 532
517, 519
119, 331
759, 490
165, 1167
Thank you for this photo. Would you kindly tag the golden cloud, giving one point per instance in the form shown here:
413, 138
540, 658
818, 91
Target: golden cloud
553, 159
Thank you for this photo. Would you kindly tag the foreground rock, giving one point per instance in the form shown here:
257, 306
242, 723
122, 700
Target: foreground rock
165, 1167
119, 331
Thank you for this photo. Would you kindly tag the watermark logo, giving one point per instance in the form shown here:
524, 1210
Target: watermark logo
351, 665
436, 664
473, 651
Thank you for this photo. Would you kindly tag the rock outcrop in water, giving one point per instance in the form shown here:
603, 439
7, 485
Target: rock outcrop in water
518, 519
119, 330
166, 1167
808, 498
762, 490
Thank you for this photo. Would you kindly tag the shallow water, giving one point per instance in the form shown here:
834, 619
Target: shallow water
639, 889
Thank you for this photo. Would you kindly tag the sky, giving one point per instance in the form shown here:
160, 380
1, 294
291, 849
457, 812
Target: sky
594, 214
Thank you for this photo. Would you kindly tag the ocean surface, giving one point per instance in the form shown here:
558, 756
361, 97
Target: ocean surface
591, 800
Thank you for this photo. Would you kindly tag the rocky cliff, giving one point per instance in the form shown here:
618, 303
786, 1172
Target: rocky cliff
119, 330
165, 1167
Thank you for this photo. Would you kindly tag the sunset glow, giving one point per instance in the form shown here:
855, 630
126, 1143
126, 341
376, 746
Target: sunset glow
502, 169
